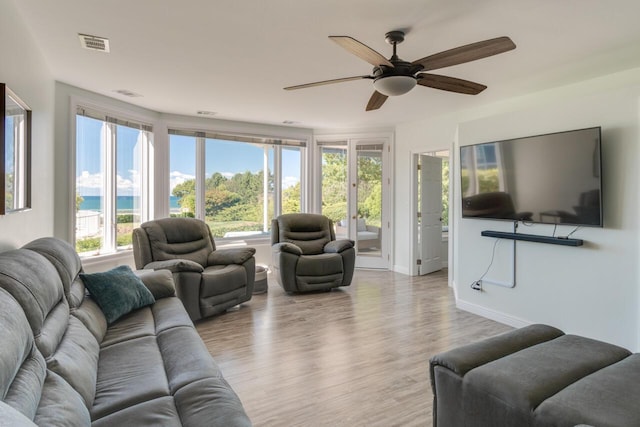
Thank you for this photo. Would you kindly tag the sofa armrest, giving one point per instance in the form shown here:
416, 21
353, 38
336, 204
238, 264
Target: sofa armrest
178, 265
230, 256
287, 247
337, 246
159, 282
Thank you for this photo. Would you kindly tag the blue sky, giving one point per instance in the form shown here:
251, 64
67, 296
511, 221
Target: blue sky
225, 157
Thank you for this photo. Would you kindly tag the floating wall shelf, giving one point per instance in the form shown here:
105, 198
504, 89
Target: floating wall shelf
533, 238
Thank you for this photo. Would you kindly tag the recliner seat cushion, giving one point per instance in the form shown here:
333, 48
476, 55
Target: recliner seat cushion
319, 265
219, 279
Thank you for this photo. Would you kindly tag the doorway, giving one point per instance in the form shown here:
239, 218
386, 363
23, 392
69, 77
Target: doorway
431, 207
354, 193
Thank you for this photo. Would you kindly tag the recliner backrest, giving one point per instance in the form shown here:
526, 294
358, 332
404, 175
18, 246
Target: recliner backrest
173, 238
23, 368
310, 232
40, 280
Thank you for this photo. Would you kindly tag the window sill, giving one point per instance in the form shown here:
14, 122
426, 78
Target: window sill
232, 243
90, 260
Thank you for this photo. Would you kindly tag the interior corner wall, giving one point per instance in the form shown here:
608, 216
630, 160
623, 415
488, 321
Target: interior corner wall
591, 290
24, 70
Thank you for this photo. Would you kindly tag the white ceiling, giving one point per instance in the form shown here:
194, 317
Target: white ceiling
235, 56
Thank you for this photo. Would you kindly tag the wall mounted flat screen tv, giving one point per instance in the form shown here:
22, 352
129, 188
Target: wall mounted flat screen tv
549, 179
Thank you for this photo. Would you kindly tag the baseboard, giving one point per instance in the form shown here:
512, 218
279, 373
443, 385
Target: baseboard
498, 316
402, 270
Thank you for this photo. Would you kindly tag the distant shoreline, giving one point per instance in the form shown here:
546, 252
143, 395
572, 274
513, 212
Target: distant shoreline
124, 204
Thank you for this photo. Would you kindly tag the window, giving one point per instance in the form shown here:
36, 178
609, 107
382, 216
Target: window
112, 181
15, 147
237, 184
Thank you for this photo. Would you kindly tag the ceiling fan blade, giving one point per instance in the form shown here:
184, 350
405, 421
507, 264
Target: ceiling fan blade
467, 53
361, 50
450, 84
328, 82
376, 101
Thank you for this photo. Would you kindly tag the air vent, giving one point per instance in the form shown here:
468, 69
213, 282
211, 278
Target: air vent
94, 43
128, 93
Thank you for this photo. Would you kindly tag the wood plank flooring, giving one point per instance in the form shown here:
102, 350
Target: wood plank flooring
356, 356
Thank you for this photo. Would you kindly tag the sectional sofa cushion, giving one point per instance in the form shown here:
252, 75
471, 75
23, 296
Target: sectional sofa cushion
117, 291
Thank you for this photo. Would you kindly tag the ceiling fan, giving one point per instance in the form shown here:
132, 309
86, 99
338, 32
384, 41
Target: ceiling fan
394, 76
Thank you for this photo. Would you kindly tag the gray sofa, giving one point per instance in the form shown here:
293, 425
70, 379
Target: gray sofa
536, 376
62, 365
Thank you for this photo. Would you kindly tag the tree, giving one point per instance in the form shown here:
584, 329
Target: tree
334, 186
370, 188
217, 200
186, 193
291, 199
79, 200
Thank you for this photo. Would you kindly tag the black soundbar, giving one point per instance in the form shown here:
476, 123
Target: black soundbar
533, 238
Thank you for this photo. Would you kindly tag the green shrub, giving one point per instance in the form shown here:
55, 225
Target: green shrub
183, 215
124, 239
218, 229
127, 218
88, 244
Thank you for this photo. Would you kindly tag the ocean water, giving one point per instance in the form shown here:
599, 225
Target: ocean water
123, 203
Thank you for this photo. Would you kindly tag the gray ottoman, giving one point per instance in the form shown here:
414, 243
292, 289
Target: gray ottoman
261, 284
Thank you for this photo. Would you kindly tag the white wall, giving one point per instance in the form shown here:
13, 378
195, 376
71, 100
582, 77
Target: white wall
23, 69
591, 290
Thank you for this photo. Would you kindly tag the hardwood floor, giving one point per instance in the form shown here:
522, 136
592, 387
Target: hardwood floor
356, 356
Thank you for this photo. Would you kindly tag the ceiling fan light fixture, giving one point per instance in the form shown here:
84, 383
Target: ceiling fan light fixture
394, 85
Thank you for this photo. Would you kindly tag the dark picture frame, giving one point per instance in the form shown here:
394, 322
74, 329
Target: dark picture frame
15, 152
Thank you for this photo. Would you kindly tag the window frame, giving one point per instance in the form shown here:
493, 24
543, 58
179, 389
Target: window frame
21, 153
276, 142
112, 117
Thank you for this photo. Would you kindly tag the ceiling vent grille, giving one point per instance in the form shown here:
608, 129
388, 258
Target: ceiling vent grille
100, 44
127, 92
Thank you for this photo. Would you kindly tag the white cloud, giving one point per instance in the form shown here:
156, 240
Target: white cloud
177, 177
90, 184
289, 181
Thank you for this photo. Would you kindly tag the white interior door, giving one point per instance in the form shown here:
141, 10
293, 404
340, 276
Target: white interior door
430, 224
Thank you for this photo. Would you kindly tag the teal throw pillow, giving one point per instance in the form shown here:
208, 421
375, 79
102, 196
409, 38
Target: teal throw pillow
117, 291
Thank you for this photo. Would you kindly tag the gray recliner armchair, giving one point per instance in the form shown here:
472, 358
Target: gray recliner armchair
208, 281
306, 255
